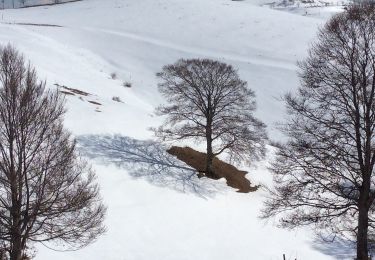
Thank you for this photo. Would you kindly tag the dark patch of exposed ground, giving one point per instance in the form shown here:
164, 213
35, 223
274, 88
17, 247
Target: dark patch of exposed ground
94, 102
72, 91
235, 178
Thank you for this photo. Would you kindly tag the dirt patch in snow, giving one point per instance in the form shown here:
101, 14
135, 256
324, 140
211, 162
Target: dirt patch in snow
72, 91
94, 102
82, 95
66, 93
235, 178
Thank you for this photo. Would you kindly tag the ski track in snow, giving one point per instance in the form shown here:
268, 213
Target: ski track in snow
200, 52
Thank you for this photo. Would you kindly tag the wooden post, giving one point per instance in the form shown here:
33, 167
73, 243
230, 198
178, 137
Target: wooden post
284, 257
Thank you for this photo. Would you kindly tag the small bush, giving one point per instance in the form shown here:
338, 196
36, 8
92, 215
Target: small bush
113, 75
117, 99
127, 84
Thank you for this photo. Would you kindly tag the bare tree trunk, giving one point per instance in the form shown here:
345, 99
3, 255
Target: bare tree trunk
209, 159
364, 197
16, 244
210, 156
16, 251
363, 221
16, 241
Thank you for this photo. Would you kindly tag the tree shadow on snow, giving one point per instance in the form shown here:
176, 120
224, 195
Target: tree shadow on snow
340, 248
148, 160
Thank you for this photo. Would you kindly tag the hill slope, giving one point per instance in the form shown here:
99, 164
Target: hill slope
80, 45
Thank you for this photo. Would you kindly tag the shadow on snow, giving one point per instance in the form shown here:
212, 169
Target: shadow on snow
339, 248
148, 160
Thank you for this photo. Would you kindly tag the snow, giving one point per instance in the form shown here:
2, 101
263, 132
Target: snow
134, 39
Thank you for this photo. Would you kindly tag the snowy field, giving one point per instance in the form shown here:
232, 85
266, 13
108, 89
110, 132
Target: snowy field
79, 45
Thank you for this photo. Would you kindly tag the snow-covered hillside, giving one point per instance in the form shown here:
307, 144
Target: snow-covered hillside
79, 45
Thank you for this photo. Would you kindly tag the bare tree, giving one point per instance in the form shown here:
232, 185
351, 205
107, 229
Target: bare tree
207, 100
47, 193
325, 172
